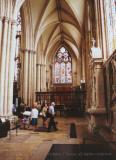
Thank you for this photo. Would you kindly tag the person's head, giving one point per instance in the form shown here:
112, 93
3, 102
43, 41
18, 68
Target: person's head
35, 105
46, 105
53, 104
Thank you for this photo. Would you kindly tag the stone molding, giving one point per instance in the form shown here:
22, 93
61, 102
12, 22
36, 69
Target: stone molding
96, 111
7, 19
29, 51
38, 64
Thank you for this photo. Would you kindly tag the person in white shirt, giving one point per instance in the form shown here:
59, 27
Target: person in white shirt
34, 116
51, 115
51, 109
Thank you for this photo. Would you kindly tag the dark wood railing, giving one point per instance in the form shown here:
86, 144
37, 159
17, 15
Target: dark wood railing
70, 100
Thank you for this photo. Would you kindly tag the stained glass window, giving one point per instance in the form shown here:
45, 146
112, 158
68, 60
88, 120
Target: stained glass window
62, 70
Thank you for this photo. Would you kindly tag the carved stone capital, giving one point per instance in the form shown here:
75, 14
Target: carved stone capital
5, 19
38, 64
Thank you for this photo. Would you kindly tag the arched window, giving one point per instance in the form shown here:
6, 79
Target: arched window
62, 67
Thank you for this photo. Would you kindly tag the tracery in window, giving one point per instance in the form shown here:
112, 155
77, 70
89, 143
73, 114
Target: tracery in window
62, 69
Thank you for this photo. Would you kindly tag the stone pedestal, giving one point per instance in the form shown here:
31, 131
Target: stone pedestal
96, 110
96, 117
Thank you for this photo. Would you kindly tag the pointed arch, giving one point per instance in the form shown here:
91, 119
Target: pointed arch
17, 7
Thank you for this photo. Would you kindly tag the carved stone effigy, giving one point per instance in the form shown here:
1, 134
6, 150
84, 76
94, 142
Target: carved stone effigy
95, 52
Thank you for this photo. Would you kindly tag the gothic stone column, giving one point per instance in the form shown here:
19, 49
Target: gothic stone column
7, 66
0, 38
43, 77
26, 76
29, 77
11, 66
3, 64
7, 74
38, 78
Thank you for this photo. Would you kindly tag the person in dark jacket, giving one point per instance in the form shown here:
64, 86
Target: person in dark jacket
51, 116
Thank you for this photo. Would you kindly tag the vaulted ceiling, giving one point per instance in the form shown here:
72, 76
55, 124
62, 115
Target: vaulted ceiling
55, 22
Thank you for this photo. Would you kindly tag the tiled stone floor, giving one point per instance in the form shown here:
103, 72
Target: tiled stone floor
30, 145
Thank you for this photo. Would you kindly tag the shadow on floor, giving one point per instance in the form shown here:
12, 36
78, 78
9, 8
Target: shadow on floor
80, 152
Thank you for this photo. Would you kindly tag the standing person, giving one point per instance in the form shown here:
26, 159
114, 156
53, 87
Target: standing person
44, 115
34, 116
51, 116
14, 109
39, 107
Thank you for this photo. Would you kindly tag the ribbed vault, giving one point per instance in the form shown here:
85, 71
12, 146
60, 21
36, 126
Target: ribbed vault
55, 22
